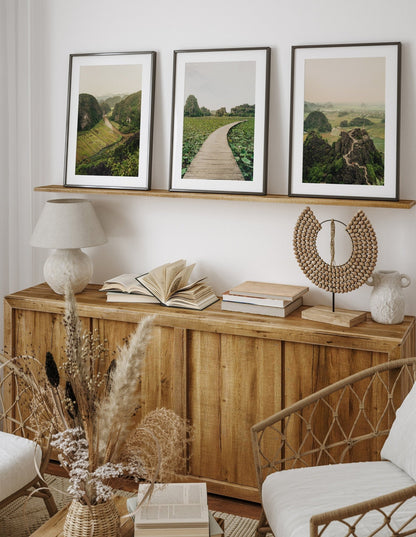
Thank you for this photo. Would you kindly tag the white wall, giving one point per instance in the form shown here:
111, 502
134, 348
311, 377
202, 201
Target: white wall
230, 241
4, 185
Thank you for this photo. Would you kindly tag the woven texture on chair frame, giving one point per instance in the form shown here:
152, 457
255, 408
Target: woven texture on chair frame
353, 519
15, 411
345, 422
17, 418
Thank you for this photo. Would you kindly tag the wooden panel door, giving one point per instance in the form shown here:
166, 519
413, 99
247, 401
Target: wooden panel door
34, 333
309, 368
163, 373
233, 382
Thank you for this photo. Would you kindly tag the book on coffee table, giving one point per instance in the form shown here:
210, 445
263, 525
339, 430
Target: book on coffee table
215, 529
173, 510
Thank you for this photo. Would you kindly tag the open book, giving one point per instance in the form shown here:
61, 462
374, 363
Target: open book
125, 283
169, 283
173, 509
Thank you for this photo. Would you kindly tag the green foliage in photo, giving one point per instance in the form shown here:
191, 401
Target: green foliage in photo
317, 121
352, 159
95, 140
127, 113
120, 159
241, 140
89, 112
243, 110
191, 108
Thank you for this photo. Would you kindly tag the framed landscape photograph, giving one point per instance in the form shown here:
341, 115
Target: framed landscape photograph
344, 131
110, 120
220, 120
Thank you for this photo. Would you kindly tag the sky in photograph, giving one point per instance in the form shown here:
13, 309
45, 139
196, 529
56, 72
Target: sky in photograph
104, 80
345, 80
218, 84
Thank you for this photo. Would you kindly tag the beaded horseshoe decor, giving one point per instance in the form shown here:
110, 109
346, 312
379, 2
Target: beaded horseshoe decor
336, 278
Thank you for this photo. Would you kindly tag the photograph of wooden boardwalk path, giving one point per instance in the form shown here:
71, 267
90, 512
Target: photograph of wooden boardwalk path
220, 104
215, 160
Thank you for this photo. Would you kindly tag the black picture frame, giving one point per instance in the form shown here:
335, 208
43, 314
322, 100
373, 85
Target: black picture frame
223, 93
110, 120
345, 121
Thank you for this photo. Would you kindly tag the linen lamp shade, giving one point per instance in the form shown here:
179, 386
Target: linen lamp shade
68, 225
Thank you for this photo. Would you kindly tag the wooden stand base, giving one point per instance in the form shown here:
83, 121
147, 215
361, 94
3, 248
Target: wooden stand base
340, 317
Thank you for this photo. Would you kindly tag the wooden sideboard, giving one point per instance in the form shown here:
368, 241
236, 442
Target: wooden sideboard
224, 371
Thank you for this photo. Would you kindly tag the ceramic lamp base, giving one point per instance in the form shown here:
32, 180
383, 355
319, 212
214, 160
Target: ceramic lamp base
67, 264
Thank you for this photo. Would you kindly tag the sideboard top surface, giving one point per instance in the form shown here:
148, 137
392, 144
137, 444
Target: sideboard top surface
92, 303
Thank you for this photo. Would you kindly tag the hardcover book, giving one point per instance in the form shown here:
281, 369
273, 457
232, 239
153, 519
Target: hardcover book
117, 296
263, 310
269, 290
173, 509
125, 283
244, 299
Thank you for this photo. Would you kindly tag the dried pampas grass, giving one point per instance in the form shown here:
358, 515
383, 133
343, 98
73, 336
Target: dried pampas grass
117, 414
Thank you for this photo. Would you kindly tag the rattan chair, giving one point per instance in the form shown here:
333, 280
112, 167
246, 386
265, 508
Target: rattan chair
16, 446
346, 422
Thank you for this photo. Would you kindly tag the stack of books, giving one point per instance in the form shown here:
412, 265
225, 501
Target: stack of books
275, 299
167, 285
173, 509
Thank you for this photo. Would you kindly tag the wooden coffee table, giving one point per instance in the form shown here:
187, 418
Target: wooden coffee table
54, 527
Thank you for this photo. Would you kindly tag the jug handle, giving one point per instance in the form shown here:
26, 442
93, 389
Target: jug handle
370, 281
406, 278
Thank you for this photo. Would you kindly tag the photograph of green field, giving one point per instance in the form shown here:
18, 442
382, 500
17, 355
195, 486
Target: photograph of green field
344, 121
108, 131
218, 122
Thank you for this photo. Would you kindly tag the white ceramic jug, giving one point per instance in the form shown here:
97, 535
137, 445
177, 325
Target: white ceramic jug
387, 298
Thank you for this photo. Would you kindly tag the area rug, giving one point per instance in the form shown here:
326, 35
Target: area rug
21, 518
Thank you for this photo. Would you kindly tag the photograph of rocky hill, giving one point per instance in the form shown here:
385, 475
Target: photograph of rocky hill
343, 154
344, 121
108, 137
108, 122
345, 114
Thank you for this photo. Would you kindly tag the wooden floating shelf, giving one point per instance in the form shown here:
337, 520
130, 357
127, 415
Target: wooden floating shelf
270, 198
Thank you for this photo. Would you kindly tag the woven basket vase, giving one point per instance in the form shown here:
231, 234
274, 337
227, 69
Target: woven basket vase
80, 518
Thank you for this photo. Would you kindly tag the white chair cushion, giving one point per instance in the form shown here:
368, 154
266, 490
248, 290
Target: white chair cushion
17, 463
292, 497
400, 445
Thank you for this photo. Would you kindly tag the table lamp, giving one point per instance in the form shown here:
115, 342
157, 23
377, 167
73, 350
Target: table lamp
67, 225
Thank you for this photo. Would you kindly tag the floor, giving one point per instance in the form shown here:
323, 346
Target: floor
215, 503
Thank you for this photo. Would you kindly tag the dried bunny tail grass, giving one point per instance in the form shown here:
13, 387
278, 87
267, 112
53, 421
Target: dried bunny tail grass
117, 414
158, 445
